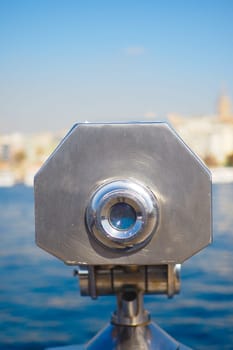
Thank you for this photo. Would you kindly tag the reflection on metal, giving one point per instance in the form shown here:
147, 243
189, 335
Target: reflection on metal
131, 328
142, 202
149, 337
108, 280
148, 154
127, 204
130, 311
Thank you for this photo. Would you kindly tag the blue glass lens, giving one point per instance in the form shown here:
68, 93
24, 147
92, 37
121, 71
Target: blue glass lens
122, 216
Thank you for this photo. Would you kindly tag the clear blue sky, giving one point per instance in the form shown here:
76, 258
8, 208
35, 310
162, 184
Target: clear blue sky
63, 61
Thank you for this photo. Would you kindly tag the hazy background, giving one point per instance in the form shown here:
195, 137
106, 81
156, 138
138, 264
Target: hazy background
63, 61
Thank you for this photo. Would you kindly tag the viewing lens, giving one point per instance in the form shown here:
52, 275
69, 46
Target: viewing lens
122, 216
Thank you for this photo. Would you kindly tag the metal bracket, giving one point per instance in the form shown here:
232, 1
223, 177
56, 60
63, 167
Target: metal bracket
108, 280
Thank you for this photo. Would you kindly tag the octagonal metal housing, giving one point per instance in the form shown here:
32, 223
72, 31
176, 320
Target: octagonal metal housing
152, 154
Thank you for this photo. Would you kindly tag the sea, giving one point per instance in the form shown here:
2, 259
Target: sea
40, 304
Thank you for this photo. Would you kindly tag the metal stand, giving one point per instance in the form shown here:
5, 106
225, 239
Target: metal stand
130, 329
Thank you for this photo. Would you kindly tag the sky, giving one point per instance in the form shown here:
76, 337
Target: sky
67, 61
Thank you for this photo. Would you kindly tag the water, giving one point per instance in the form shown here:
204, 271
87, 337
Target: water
40, 304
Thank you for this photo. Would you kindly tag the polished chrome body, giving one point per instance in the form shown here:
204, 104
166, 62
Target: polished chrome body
130, 310
166, 192
142, 201
145, 337
150, 154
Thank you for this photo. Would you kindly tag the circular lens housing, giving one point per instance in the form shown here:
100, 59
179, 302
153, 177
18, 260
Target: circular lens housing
122, 215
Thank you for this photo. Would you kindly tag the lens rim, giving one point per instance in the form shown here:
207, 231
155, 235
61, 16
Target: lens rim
139, 197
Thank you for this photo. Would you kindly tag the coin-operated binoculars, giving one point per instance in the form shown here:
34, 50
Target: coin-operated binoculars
127, 204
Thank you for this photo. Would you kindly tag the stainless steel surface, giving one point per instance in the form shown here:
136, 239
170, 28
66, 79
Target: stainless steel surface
173, 273
140, 199
147, 153
106, 280
131, 327
149, 337
130, 309
166, 194
129, 338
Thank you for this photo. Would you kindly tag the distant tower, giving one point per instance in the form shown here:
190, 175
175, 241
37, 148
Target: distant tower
224, 108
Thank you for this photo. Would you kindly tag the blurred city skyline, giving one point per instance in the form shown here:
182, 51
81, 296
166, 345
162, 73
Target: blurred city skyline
69, 61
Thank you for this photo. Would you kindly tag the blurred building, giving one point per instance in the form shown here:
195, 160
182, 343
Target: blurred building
211, 137
22, 155
224, 109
